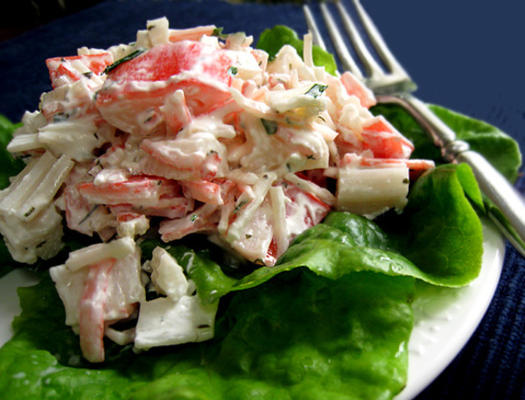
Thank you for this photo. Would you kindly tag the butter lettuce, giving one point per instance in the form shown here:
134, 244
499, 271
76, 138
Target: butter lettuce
297, 336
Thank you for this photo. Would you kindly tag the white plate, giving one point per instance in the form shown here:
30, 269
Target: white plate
444, 318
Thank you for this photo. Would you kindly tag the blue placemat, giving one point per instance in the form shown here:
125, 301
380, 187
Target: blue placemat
464, 55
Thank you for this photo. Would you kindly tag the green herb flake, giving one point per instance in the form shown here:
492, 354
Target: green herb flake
60, 117
130, 56
269, 126
233, 70
316, 90
218, 32
238, 207
29, 212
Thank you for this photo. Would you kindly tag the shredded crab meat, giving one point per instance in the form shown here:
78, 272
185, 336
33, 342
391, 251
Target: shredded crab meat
186, 131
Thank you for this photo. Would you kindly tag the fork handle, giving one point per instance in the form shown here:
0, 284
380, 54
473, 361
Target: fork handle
494, 185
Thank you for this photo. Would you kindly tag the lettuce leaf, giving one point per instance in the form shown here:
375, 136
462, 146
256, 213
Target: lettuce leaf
331, 340
439, 229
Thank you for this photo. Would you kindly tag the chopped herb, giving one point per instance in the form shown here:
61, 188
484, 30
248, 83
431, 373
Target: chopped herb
239, 206
88, 74
150, 27
59, 117
194, 217
218, 32
29, 212
406, 181
40, 244
233, 70
310, 157
248, 236
88, 214
269, 126
316, 90
203, 326
130, 56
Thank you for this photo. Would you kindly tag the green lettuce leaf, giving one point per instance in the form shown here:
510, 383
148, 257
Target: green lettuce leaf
331, 340
439, 230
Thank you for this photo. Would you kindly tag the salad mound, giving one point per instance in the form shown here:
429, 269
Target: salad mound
273, 159
184, 132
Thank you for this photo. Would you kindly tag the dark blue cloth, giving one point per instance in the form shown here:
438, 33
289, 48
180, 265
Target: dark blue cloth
465, 55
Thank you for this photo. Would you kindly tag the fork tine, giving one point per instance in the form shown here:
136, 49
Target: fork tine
369, 63
344, 55
378, 42
312, 27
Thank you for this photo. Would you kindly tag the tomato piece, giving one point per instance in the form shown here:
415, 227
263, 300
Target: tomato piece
316, 176
272, 253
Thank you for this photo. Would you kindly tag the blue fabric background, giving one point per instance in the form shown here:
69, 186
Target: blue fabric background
466, 55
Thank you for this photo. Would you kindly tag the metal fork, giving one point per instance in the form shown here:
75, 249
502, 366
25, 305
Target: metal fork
395, 86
